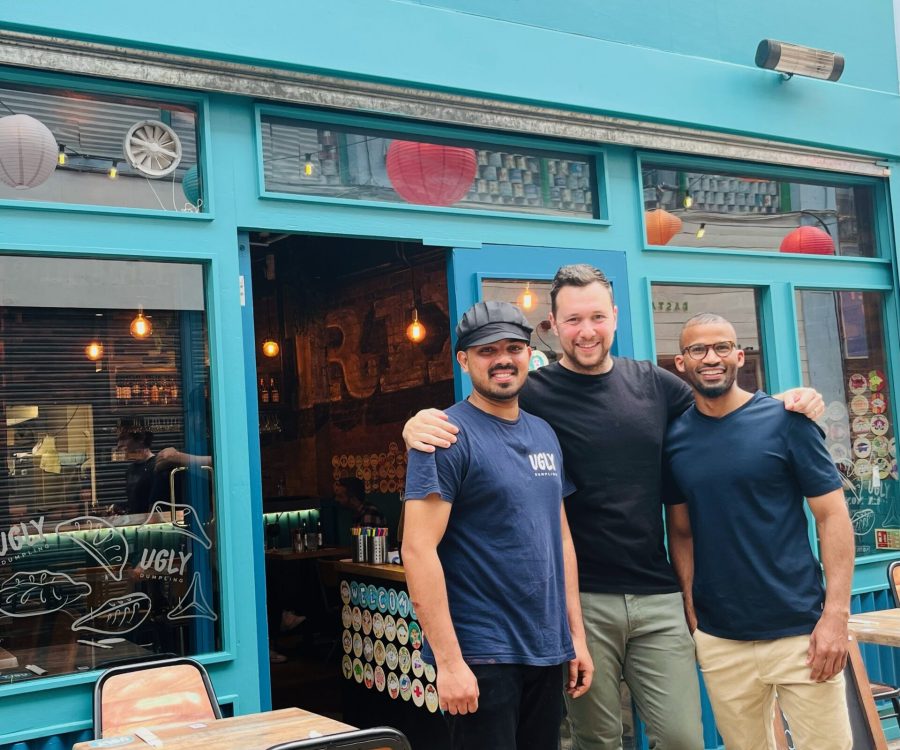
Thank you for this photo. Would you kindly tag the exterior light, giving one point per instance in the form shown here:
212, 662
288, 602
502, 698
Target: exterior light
141, 326
415, 331
790, 59
308, 167
270, 348
61, 158
526, 298
113, 171
94, 351
701, 230
688, 201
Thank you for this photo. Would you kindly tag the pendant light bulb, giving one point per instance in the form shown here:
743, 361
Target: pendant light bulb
701, 230
415, 331
308, 167
94, 351
140, 326
688, 201
270, 348
61, 159
113, 171
526, 298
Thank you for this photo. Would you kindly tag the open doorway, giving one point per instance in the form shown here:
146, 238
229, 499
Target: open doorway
338, 374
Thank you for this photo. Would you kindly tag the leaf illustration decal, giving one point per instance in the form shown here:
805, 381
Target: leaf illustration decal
32, 593
189, 525
101, 540
116, 616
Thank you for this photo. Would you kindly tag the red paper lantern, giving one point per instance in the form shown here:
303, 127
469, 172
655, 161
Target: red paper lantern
809, 241
661, 226
429, 174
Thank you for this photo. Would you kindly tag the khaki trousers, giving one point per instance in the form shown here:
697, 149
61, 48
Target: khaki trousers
743, 678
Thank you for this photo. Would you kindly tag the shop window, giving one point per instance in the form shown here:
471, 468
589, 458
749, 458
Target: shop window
842, 353
107, 540
675, 304
63, 146
726, 210
333, 162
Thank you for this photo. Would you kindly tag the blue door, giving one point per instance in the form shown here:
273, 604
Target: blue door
523, 275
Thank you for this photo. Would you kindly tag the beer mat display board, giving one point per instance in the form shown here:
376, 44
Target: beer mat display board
382, 642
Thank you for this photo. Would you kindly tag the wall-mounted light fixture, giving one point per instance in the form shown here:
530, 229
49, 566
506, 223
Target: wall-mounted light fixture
794, 59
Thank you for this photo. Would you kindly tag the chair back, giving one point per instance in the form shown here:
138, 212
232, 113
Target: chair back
379, 738
152, 693
893, 573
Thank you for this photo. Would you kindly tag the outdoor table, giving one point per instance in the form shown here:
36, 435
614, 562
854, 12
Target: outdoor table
881, 627
249, 732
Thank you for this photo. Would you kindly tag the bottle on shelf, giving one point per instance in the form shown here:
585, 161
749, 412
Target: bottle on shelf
145, 391
274, 395
321, 539
312, 537
154, 392
263, 391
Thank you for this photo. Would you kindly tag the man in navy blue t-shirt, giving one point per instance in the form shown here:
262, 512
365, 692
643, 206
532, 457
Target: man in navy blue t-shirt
738, 468
488, 555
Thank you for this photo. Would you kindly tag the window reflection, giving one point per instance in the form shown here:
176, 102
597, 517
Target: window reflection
107, 549
728, 210
842, 355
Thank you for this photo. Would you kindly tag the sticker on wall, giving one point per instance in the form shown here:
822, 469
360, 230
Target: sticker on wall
412, 610
538, 360
354, 592
862, 447
379, 652
415, 635
390, 628
880, 424
859, 405
880, 445
431, 698
858, 383
366, 622
378, 625
405, 687
887, 538
404, 659
345, 592
883, 467
382, 600
416, 663
393, 685
878, 404
837, 432
892, 447
839, 453
347, 667
357, 645
346, 616
347, 641
368, 676
392, 601
390, 656
430, 673
357, 670
836, 411
862, 425
402, 631
863, 521
403, 604
418, 693
368, 649
379, 679
863, 469
876, 380
373, 597
357, 618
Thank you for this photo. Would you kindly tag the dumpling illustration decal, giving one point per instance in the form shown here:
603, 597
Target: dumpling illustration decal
192, 604
189, 525
101, 540
116, 616
28, 594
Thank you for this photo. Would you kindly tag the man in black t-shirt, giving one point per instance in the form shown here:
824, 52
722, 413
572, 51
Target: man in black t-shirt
610, 415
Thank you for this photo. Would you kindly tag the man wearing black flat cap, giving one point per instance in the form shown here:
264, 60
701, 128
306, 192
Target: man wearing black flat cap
488, 554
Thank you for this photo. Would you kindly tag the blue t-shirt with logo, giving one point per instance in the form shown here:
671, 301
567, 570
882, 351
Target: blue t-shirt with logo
502, 549
744, 477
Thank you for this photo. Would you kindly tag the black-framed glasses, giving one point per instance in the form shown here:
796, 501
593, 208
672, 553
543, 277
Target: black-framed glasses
721, 348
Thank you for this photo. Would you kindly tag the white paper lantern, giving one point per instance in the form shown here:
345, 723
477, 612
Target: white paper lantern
28, 151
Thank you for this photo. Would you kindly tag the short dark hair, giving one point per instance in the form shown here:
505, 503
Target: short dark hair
702, 319
355, 487
139, 434
578, 274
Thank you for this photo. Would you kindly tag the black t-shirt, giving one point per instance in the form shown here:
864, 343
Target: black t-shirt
611, 428
144, 486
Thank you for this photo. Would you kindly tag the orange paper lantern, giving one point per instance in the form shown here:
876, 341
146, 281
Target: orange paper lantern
429, 174
808, 241
661, 226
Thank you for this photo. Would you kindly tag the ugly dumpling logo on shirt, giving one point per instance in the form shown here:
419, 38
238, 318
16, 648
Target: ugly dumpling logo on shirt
543, 464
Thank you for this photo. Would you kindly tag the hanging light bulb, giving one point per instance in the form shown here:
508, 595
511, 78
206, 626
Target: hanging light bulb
113, 171
526, 298
270, 347
415, 331
701, 230
308, 167
94, 351
140, 326
688, 201
62, 158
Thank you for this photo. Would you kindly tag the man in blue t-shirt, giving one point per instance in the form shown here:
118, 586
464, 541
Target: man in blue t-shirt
488, 553
738, 468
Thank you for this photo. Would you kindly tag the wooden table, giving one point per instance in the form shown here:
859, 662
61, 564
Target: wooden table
881, 627
289, 554
250, 732
388, 571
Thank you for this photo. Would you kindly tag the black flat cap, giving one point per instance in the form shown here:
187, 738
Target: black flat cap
489, 321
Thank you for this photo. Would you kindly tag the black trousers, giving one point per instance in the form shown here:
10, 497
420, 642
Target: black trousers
519, 708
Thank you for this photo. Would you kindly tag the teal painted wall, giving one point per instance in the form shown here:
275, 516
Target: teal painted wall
684, 63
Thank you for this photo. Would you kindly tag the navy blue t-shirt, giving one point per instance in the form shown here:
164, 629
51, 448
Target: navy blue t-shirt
744, 477
502, 549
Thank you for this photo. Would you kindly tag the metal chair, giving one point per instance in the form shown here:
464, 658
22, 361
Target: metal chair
379, 738
152, 692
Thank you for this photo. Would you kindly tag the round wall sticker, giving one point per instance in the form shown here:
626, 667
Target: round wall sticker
880, 424
418, 693
861, 425
393, 685
347, 667
378, 625
858, 383
366, 621
859, 405
368, 675
876, 380
878, 404
431, 698
379, 679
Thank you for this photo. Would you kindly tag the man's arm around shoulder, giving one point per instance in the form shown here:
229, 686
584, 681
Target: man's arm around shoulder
681, 553
581, 668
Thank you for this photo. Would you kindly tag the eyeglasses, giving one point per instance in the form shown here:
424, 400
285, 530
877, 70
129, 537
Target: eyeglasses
698, 351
